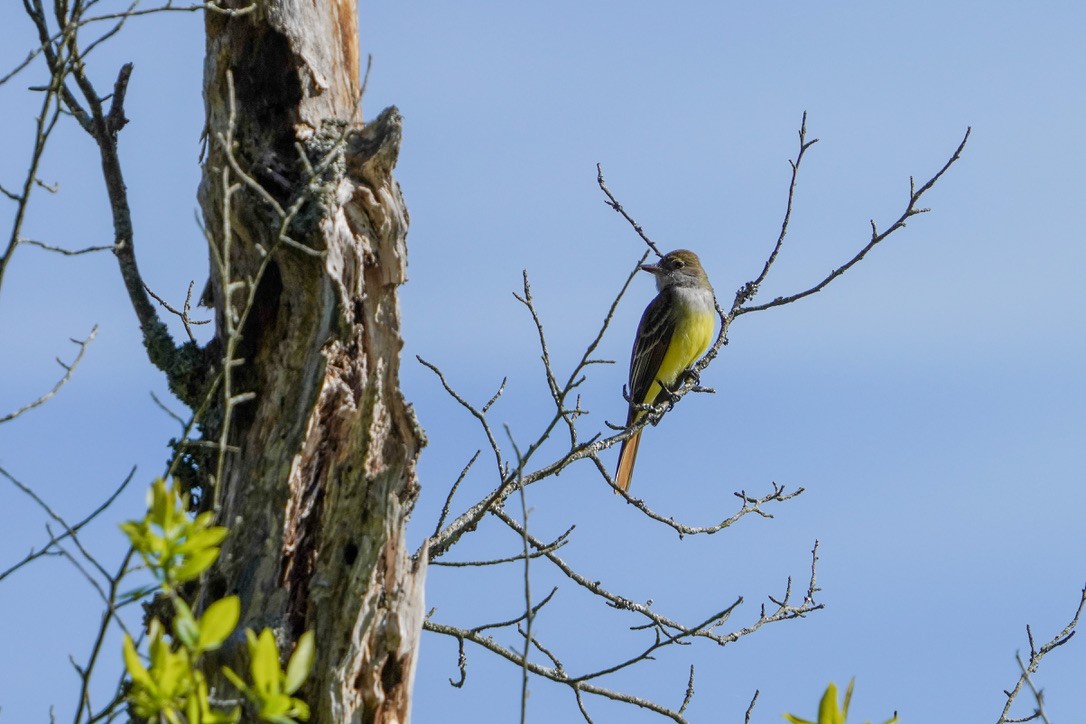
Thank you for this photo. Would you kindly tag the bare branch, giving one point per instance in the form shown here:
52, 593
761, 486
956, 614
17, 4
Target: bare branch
526, 300
614, 204
469, 519
366, 77
75, 24
911, 209
749, 505
553, 546
750, 709
65, 252
64, 59
516, 621
69, 370
785, 609
529, 614
580, 705
1035, 657
47, 549
666, 631
452, 492
60, 551
689, 691
1038, 695
108, 617
751, 288
44, 125
547, 672
183, 314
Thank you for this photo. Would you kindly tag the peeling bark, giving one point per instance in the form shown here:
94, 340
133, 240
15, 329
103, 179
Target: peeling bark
318, 492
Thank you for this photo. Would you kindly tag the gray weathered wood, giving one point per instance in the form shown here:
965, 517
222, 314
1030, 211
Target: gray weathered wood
317, 493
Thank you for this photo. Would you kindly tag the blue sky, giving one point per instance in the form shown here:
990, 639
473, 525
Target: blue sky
930, 401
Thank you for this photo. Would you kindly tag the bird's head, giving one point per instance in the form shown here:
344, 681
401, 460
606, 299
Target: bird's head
678, 268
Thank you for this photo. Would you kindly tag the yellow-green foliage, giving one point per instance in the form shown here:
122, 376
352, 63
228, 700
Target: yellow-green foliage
272, 687
172, 687
175, 547
828, 713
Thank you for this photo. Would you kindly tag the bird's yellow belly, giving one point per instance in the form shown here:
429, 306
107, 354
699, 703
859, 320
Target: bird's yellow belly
687, 344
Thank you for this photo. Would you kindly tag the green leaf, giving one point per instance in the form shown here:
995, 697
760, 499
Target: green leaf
184, 624
301, 663
154, 546
137, 593
275, 707
300, 709
232, 716
200, 540
848, 699
282, 709
265, 665
167, 672
140, 675
193, 566
203, 520
159, 650
135, 532
159, 504
218, 622
828, 713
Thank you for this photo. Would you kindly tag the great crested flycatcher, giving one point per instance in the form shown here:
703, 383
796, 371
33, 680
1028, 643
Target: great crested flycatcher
674, 332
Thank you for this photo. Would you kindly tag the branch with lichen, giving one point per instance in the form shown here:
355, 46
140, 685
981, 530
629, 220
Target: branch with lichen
1036, 654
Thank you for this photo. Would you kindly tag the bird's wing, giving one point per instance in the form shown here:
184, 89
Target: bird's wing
653, 339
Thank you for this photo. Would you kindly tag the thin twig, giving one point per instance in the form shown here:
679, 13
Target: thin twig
665, 631
44, 125
526, 300
66, 252
614, 204
531, 611
1038, 694
73, 27
108, 617
183, 313
69, 370
1035, 657
68, 530
749, 505
452, 491
750, 709
689, 695
751, 288
911, 209
555, 545
548, 672
469, 519
162, 406
366, 77
528, 613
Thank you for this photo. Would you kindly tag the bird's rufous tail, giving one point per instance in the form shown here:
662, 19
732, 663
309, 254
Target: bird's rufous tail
626, 457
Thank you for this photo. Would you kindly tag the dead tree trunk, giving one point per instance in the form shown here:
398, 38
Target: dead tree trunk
308, 229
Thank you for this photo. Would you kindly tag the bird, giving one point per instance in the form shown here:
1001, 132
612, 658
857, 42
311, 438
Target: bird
675, 330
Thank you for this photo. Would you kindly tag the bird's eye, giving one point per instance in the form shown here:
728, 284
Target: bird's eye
678, 263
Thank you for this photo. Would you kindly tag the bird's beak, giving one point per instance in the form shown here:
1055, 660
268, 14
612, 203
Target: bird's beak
651, 268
